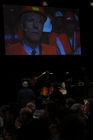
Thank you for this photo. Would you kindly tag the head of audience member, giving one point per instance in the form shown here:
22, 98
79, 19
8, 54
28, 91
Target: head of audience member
88, 106
73, 127
54, 131
69, 102
78, 109
25, 115
51, 109
31, 105
7, 135
7, 112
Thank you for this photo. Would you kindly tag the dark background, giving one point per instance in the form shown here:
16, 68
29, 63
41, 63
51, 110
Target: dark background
13, 68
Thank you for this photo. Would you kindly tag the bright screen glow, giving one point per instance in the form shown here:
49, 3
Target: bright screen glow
34, 30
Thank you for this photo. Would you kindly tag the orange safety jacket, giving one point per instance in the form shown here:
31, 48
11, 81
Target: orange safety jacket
77, 39
65, 41
18, 49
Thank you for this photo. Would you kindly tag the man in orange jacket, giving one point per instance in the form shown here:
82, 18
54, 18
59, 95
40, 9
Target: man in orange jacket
32, 19
58, 35
73, 32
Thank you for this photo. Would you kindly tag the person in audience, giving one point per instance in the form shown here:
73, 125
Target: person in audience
69, 102
32, 106
88, 110
73, 127
54, 132
78, 108
31, 128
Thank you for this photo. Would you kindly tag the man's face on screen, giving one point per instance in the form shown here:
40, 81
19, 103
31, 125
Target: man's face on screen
32, 26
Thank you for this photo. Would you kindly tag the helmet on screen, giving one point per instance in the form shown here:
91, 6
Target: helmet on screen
58, 14
36, 9
26, 9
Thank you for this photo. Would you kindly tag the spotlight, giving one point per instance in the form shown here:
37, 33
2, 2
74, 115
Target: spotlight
67, 73
44, 3
91, 3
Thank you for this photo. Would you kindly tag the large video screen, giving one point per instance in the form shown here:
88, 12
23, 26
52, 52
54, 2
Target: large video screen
35, 30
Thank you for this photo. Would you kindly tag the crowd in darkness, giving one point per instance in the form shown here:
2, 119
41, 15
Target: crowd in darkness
57, 117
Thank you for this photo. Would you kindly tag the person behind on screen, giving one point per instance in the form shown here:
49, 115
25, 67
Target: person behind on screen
72, 31
58, 35
10, 28
32, 20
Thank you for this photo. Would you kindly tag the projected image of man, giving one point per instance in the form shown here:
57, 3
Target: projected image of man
32, 20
